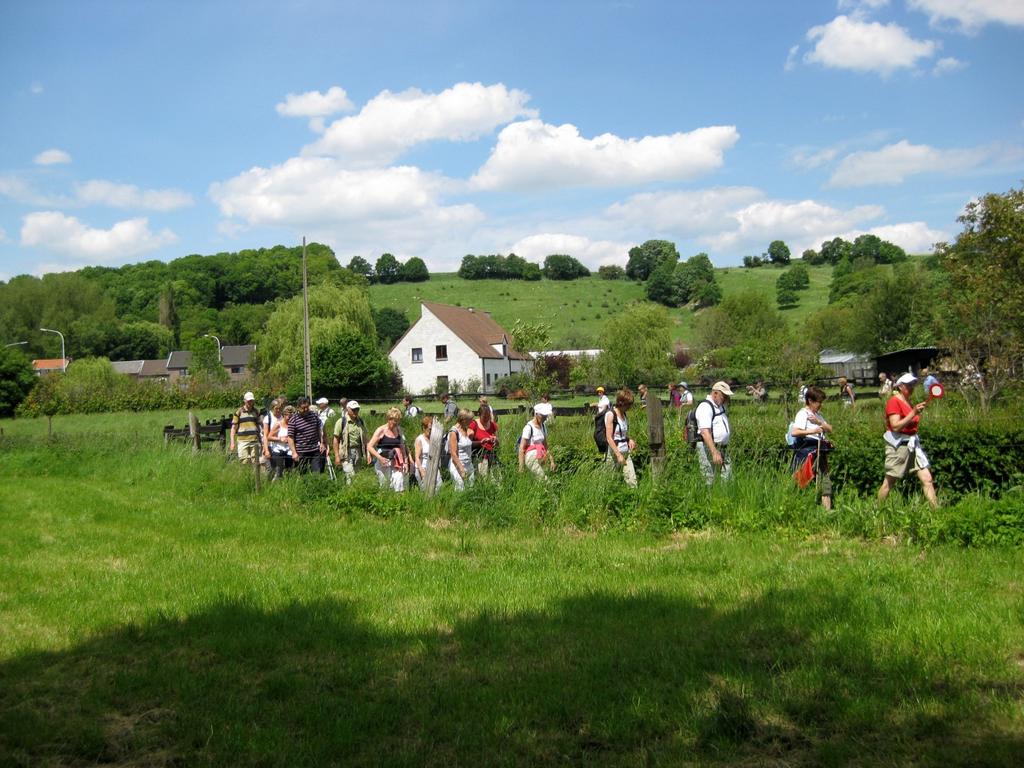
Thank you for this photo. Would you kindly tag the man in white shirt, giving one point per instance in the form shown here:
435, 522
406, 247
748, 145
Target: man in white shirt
324, 410
713, 427
603, 403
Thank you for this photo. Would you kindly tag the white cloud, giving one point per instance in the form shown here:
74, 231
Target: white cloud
52, 157
109, 193
533, 154
810, 159
848, 43
20, 191
391, 123
791, 58
592, 253
685, 212
911, 236
972, 15
67, 236
803, 224
947, 65
892, 164
314, 103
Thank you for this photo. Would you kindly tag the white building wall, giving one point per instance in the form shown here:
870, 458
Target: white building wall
428, 332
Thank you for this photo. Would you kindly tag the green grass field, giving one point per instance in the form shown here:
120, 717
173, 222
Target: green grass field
577, 310
154, 610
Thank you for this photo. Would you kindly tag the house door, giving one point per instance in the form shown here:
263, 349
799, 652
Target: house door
442, 385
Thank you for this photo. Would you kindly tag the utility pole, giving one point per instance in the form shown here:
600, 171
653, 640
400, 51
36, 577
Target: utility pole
305, 326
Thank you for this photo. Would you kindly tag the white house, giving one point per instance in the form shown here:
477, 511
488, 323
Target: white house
455, 344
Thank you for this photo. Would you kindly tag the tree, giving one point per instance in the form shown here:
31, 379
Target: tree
786, 298
387, 269
360, 266
747, 316
331, 308
983, 298
391, 324
559, 266
661, 283
414, 271
611, 272
346, 361
637, 346
834, 250
205, 364
644, 259
812, 257
530, 337
169, 312
778, 252
693, 281
16, 379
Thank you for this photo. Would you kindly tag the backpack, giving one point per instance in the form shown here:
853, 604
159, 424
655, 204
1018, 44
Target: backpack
600, 436
790, 440
446, 454
692, 432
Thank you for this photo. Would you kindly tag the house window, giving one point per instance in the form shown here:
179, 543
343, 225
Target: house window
442, 384
417, 354
236, 369
441, 352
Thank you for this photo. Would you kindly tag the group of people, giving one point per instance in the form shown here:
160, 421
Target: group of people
296, 436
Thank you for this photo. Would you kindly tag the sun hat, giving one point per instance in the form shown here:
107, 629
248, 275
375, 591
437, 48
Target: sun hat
601, 390
723, 387
353, 404
248, 396
907, 378
543, 409
322, 401
684, 385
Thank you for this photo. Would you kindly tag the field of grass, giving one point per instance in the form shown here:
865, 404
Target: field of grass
154, 610
578, 309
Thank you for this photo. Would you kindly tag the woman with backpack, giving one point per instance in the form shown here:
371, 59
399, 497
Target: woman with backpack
484, 432
275, 439
620, 446
808, 433
421, 452
460, 449
533, 443
387, 449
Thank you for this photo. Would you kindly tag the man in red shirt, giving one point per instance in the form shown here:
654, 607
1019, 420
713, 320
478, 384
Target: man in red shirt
903, 451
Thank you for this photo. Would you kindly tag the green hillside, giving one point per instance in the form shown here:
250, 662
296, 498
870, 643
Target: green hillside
577, 310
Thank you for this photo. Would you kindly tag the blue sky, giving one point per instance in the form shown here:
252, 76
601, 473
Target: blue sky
150, 130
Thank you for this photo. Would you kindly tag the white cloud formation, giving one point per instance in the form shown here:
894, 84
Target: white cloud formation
391, 123
972, 15
114, 195
532, 154
863, 46
67, 236
52, 157
685, 213
892, 164
809, 159
948, 64
592, 253
911, 236
20, 191
314, 103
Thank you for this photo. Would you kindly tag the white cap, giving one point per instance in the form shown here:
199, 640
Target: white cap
684, 385
248, 396
353, 404
322, 401
543, 409
907, 378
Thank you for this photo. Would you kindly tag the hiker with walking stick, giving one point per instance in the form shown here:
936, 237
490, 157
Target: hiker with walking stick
806, 436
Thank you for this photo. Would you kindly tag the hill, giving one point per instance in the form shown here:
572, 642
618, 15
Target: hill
578, 309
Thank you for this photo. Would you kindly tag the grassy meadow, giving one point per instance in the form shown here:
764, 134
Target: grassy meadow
577, 310
155, 610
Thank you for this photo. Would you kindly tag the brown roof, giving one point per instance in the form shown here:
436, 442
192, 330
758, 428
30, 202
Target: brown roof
154, 368
236, 355
475, 327
48, 364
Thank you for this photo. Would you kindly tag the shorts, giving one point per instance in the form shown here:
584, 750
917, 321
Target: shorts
903, 459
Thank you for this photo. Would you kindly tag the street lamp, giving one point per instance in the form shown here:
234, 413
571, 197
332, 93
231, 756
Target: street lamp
220, 354
15, 343
63, 357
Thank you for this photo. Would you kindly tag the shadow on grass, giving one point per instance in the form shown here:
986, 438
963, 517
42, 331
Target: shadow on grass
595, 680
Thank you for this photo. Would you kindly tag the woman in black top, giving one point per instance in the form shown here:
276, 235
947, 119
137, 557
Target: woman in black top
387, 449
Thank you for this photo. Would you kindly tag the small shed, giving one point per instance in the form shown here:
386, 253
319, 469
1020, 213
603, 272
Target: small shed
909, 360
854, 366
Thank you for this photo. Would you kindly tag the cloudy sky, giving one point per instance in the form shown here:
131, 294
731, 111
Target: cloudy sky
152, 130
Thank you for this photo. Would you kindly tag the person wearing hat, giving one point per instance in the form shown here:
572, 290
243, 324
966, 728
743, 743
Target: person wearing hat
603, 403
245, 430
903, 451
324, 410
685, 395
714, 430
350, 441
533, 443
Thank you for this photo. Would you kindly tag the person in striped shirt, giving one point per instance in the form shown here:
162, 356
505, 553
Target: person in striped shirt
306, 438
245, 430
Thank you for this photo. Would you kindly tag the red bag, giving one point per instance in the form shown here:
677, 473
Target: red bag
805, 472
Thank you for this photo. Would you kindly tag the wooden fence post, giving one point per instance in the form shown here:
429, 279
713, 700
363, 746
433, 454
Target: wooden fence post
193, 431
656, 435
